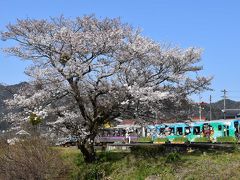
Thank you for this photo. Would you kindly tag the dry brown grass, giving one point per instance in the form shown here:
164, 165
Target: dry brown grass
30, 159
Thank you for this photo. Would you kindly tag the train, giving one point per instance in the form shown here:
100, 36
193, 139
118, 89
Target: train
214, 131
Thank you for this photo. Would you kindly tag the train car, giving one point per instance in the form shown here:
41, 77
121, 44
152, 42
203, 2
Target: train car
119, 134
111, 135
231, 128
222, 128
211, 131
219, 131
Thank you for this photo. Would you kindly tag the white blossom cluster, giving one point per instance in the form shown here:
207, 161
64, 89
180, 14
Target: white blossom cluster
147, 93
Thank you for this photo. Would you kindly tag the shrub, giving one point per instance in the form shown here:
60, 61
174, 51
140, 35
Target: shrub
89, 171
226, 139
201, 139
148, 150
145, 140
95, 172
30, 159
34, 119
173, 157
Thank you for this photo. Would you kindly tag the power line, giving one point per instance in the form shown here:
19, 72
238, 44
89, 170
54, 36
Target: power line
233, 96
232, 91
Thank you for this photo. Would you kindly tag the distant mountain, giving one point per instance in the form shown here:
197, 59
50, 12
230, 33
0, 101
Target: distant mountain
230, 104
217, 108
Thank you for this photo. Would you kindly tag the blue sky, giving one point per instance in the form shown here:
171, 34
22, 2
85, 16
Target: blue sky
211, 25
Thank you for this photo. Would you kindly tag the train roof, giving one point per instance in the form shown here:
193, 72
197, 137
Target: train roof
192, 123
126, 126
222, 120
172, 124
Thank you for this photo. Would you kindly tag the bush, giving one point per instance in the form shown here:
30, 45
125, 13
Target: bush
160, 140
180, 140
201, 139
95, 172
145, 140
173, 157
103, 167
148, 151
30, 159
226, 139
89, 171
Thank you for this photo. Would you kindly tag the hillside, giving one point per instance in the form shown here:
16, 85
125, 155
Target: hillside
7, 92
217, 108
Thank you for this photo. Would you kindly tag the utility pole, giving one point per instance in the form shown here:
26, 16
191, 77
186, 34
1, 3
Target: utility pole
224, 103
200, 108
210, 108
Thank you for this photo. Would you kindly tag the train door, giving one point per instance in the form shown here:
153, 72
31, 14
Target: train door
220, 129
237, 129
226, 130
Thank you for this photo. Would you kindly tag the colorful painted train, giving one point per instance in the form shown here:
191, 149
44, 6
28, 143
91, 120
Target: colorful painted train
221, 131
215, 131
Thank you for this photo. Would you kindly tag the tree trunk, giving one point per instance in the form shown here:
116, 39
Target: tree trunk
88, 151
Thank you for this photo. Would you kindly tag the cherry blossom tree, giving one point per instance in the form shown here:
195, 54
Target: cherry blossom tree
88, 71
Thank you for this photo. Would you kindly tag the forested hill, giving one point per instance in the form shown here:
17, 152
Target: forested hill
230, 104
217, 108
6, 92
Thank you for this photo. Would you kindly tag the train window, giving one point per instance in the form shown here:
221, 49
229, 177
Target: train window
196, 130
236, 125
187, 130
179, 130
171, 130
205, 126
162, 130
219, 127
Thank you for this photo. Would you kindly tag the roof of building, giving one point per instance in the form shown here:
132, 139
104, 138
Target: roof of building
22, 132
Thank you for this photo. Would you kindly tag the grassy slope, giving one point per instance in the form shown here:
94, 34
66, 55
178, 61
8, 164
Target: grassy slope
119, 165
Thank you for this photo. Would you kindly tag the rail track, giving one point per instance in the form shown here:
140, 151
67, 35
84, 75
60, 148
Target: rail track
181, 147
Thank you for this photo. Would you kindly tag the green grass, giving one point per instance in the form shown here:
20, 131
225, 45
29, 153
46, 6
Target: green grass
122, 165
145, 140
161, 140
226, 139
180, 140
201, 139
